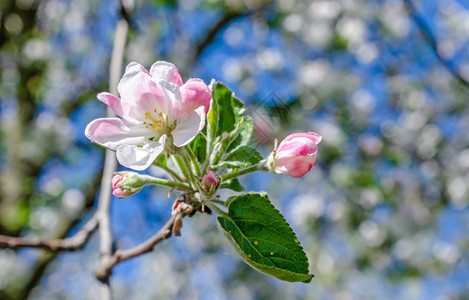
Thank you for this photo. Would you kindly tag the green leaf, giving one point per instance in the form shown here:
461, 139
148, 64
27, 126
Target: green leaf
220, 147
263, 238
230, 108
199, 147
241, 157
161, 159
233, 185
212, 116
244, 135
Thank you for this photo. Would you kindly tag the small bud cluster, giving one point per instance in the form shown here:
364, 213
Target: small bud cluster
159, 121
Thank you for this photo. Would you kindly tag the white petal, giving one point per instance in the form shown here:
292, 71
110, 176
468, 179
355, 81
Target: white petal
112, 101
140, 158
172, 99
134, 78
167, 71
134, 88
188, 127
114, 132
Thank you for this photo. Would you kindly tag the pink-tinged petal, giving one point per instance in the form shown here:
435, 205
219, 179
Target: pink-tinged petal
147, 102
136, 80
116, 179
118, 191
299, 146
167, 71
188, 127
121, 193
170, 101
295, 167
140, 158
195, 93
210, 181
113, 132
296, 154
112, 101
153, 97
313, 136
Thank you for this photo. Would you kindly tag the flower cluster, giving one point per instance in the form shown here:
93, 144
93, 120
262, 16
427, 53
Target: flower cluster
158, 113
200, 136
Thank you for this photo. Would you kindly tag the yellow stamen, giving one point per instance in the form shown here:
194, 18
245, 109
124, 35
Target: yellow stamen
154, 123
150, 117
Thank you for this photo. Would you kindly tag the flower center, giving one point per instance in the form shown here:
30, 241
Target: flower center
156, 123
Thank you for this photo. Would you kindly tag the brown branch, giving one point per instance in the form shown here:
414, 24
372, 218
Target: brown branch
72, 243
47, 257
110, 163
433, 43
105, 268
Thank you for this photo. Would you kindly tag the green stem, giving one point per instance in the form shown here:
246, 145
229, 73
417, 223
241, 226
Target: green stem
219, 202
193, 159
210, 147
191, 174
173, 174
207, 155
173, 184
258, 167
224, 185
216, 209
183, 168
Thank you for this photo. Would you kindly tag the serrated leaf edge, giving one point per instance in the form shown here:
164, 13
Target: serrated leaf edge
306, 278
288, 275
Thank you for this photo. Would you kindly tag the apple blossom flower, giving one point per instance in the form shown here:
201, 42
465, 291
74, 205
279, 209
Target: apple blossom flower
155, 109
296, 154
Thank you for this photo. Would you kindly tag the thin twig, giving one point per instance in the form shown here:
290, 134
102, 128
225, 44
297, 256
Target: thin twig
433, 43
43, 261
72, 243
105, 268
172, 173
110, 163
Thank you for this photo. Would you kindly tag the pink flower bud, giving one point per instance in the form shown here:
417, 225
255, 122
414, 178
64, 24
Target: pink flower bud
118, 191
296, 154
210, 182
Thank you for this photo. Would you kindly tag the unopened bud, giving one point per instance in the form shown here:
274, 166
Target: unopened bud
123, 184
296, 154
210, 182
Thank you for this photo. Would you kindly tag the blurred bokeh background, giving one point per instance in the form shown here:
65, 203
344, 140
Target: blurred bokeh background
385, 213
